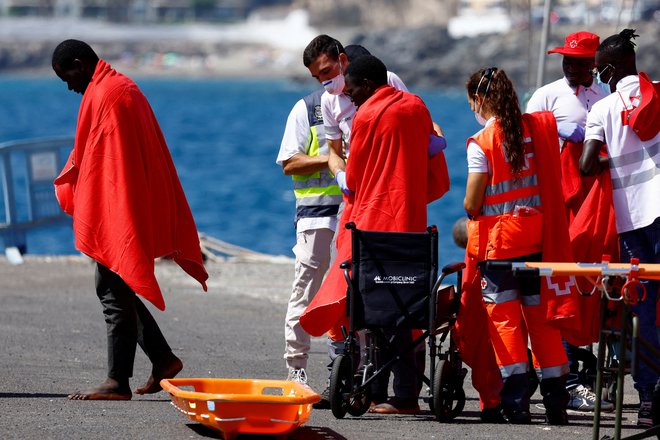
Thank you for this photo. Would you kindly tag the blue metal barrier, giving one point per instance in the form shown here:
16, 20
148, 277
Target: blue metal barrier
27, 170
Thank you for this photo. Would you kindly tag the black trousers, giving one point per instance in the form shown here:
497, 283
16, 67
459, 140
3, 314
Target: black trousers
406, 384
129, 323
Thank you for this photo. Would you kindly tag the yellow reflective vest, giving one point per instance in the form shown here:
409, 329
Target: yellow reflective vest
317, 194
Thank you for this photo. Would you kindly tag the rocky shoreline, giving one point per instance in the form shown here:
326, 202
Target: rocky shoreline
428, 57
424, 56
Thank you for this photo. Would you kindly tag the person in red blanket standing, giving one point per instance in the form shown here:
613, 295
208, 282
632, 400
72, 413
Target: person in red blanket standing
128, 208
516, 214
389, 147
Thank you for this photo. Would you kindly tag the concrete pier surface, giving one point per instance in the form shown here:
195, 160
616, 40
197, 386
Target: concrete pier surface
52, 342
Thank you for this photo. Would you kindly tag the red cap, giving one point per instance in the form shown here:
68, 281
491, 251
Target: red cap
580, 44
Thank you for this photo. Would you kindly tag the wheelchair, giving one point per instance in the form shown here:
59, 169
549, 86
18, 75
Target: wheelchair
392, 284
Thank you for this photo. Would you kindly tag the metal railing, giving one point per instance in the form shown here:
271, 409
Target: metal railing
27, 170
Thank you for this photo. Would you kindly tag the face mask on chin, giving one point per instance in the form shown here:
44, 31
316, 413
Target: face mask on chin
604, 86
477, 115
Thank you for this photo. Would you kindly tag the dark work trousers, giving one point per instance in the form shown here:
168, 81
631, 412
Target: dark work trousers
128, 323
406, 384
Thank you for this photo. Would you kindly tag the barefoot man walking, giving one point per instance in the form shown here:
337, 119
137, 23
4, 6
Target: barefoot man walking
128, 208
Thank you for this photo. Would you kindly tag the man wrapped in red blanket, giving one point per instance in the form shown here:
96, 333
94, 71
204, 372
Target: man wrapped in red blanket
393, 173
128, 208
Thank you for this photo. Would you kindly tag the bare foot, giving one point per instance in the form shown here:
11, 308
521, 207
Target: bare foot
108, 390
165, 371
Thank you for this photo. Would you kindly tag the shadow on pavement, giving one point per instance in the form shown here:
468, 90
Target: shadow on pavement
29, 395
304, 432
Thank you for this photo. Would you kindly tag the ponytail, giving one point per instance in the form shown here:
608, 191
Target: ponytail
499, 97
619, 45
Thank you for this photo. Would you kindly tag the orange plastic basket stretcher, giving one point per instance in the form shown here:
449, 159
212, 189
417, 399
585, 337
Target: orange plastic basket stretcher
598, 273
243, 406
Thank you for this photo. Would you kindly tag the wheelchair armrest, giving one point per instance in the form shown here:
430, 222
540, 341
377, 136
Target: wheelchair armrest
453, 268
345, 264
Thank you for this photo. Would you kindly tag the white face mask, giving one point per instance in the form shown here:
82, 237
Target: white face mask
335, 86
602, 85
477, 115
480, 119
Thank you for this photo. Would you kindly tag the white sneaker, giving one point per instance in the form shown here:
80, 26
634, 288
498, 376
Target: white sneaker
297, 375
583, 399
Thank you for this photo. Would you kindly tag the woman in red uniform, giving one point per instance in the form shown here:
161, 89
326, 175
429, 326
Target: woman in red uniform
505, 203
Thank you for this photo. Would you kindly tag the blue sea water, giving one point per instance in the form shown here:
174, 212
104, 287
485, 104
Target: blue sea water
224, 136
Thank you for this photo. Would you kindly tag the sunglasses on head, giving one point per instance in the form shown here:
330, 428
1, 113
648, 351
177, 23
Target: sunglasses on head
487, 74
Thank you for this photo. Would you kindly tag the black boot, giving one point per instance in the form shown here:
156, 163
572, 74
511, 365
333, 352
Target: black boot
492, 415
555, 400
515, 399
655, 406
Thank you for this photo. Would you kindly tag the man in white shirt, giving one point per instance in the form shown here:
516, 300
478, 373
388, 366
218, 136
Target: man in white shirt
327, 60
569, 99
634, 165
304, 156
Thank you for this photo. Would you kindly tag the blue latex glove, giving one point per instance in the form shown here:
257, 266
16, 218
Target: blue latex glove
340, 177
570, 131
436, 144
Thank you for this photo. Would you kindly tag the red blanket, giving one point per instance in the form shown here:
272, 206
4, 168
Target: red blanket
558, 294
393, 179
592, 230
575, 187
593, 234
122, 189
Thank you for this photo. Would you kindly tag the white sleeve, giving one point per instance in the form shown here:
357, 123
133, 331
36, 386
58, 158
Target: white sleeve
394, 80
595, 128
537, 102
330, 123
476, 159
296, 133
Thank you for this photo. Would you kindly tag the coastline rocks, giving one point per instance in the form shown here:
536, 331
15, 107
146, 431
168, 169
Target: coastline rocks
424, 57
428, 57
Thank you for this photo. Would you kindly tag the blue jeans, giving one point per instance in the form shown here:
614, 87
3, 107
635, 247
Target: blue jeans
644, 243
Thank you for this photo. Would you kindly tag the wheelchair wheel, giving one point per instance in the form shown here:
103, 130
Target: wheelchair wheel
359, 403
340, 386
342, 398
448, 396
